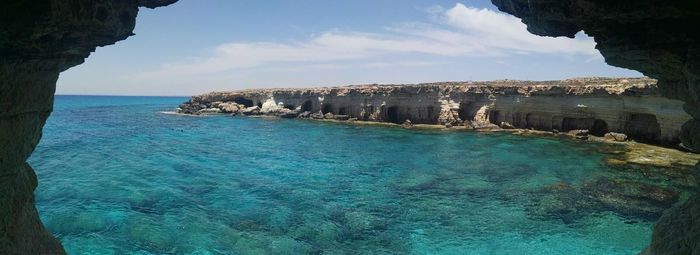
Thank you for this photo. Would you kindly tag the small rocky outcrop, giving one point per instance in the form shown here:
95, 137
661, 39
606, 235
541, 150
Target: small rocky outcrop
617, 137
253, 110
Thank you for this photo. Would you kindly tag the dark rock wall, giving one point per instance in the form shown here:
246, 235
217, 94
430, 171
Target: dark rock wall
38, 40
658, 38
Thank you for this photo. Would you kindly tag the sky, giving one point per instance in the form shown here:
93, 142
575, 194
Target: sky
198, 46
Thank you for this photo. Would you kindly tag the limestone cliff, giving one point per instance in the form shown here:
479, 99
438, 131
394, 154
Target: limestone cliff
632, 106
657, 38
38, 40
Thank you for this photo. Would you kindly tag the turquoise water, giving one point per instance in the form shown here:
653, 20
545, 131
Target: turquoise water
117, 176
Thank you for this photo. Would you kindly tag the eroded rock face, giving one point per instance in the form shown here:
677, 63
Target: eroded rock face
597, 105
38, 40
657, 38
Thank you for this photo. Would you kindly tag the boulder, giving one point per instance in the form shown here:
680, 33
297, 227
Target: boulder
253, 110
484, 125
328, 116
189, 108
341, 117
288, 114
617, 137
317, 116
209, 111
304, 115
506, 125
407, 124
579, 133
270, 107
229, 107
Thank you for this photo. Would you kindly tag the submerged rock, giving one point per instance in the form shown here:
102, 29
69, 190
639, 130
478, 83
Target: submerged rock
357, 222
631, 198
561, 201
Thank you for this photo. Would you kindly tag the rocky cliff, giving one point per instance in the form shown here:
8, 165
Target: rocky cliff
38, 40
657, 38
632, 106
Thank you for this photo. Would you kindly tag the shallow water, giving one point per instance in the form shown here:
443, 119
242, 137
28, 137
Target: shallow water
119, 177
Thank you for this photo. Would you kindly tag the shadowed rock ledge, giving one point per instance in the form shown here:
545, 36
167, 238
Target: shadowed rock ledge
632, 106
657, 38
38, 40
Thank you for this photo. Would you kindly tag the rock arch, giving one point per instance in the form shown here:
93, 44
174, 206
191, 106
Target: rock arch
307, 106
327, 108
651, 37
39, 40
244, 101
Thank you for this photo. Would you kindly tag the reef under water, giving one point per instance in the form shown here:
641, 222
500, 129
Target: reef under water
120, 176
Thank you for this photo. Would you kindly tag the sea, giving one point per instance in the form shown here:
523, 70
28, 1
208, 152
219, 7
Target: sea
125, 175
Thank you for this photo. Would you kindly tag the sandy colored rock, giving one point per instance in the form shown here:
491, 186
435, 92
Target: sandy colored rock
632, 106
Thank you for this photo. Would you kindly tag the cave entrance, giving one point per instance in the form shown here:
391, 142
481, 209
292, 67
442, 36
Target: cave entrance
596, 127
327, 108
599, 128
494, 117
643, 127
342, 111
432, 118
465, 111
307, 106
245, 102
260, 104
392, 114
569, 124
289, 106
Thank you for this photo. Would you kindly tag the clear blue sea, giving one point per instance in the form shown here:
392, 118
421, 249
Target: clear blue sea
118, 176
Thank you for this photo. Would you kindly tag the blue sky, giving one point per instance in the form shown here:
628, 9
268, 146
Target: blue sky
196, 46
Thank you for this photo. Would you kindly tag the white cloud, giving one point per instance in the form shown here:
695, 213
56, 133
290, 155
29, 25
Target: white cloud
460, 31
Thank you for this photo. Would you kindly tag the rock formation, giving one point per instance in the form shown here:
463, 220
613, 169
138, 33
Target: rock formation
38, 40
657, 38
632, 106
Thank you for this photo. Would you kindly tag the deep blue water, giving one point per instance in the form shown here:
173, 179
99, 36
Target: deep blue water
117, 176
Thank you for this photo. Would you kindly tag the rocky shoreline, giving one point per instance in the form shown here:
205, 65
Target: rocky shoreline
643, 180
615, 109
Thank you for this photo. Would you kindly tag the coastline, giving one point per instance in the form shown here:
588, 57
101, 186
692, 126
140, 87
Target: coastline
623, 152
628, 112
636, 152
